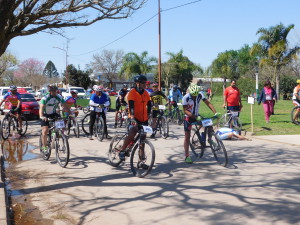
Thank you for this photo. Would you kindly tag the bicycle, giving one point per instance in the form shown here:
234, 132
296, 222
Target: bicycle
204, 130
98, 126
58, 140
72, 123
162, 123
295, 119
86, 109
141, 151
231, 119
175, 115
10, 124
122, 116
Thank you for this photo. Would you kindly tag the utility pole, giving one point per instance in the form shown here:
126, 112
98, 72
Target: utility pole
159, 48
66, 51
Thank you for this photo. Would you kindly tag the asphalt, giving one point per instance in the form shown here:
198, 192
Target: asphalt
259, 186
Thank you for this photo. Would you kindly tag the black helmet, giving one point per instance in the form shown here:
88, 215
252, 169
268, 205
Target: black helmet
52, 87
13, 88
140, 78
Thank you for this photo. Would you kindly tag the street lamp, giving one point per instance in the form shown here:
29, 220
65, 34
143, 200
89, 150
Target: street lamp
256, 84
66, 51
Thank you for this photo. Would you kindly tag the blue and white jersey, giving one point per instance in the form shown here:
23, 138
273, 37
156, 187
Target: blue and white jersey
175, 95
225, 130
95, 100
193, 106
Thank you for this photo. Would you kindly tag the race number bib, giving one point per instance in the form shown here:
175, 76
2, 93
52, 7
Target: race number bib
235, 114
162, 107
59, 124
207, 122
97, 109
148, 129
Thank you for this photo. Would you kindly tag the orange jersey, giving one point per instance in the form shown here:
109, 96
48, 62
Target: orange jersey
232, 96
140, 104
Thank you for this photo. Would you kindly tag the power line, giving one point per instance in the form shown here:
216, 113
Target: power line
179, 6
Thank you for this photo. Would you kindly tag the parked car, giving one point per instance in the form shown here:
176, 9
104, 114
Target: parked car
3, 91
81, 92
40, 93
30, 106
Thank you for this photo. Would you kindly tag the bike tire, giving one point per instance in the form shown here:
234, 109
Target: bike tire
196, 144
114, 150
218, 150
164, 127
24, 125
45, 156
137, 161
85, 124
100, 129
119, 119
293, 112
5, 128
62, 149
68, 126
13, 124
76, 128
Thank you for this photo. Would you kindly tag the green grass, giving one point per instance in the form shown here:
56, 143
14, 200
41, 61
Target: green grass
280, 123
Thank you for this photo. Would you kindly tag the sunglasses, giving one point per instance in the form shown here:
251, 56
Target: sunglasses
143, 82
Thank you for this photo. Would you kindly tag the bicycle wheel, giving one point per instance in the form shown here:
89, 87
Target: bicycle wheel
100, 129
13, 125
62, 149
142, 159
76, 127
196, 144
86, 109
119, 119
294, 117
218, 149
223, 121
114, 150
45, 156
5, 128
85, 124
164, 126
24, 125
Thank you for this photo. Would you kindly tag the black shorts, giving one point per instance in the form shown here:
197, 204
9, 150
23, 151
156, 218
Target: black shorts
187, 124
51, 116
19, 110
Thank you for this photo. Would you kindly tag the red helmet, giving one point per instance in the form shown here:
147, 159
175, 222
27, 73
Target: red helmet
147, 82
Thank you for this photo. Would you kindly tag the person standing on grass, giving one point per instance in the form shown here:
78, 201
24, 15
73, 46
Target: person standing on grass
267, 96
232, 98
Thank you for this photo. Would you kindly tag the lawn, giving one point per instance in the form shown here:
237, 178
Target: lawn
280, 123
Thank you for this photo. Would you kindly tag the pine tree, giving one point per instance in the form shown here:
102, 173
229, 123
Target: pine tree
50, 70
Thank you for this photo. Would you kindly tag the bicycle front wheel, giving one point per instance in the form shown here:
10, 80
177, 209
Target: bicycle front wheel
100, 129
164, 126
119, 119
24, 125
5, 128
86, 109
218, 149
196, 144
114, 150
62, 149
295, 115
142, 159
85, 124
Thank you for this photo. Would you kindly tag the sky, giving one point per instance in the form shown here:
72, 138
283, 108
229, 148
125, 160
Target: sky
202, 30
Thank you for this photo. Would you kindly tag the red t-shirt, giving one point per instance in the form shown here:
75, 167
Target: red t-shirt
232, 96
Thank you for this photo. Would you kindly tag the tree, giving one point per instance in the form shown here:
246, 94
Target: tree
287, 84
134, 64
108, 63
50, 70
30, 73
274, 49
78, 78
23, 17
7, 61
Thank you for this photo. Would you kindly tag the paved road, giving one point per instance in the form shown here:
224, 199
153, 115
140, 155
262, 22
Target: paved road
260, 185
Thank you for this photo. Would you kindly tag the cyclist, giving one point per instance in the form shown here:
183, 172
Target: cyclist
48, 105
148, 89
97, 99
14, 99
120, 100
139, 109
174, 97
156, 98
191, 105
225, 133
72, 101
296, 98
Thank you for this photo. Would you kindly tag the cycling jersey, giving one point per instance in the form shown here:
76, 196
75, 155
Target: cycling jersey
51, 103
70, 101
156, 98
296, 91
175, 95
193, 106
122, 93
95, 101
223, 132
12, 99
140, 104
149, 90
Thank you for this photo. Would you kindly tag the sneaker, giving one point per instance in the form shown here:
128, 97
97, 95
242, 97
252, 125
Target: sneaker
188, 159
45, 150
152, 135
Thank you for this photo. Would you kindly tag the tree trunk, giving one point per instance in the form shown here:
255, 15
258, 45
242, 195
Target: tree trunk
277, 86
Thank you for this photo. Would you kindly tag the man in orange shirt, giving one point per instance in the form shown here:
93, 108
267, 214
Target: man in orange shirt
139, 108
232, 98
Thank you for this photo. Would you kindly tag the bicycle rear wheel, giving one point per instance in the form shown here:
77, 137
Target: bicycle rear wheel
45, 156
294, 117
114, 150
100, 129
24, 125
62, 149
164, 126
196, 144
142, 159
218, 149
5, 128
85, 124
119, 119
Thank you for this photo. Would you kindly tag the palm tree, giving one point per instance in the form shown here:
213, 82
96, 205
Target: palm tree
137, 64
274, 49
